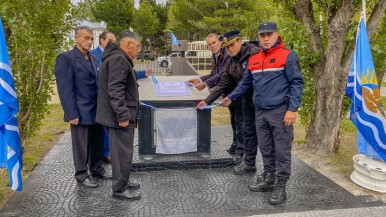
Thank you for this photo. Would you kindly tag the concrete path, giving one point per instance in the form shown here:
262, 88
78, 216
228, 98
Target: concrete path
51, 190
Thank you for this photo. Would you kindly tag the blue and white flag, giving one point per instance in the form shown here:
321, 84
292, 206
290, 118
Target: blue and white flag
174, 39
10, 150
366, 105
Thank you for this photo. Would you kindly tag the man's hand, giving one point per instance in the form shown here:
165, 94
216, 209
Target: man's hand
200, 104
147, 72
200, 86
290, 118
226, 101
74, 121
193, 81
124, 124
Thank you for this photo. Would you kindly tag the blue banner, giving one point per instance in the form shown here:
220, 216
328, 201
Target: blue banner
174, 39
10, 150
366, 110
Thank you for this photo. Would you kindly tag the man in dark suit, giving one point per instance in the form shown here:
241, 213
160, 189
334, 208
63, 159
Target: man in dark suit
118, 104
76, 73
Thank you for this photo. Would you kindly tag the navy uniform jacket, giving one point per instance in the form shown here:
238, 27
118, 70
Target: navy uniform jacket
275, 75
218, 64
97, 52
76, 79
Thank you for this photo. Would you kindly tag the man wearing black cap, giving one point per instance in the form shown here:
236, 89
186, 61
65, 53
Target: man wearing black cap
232, 74
278, 86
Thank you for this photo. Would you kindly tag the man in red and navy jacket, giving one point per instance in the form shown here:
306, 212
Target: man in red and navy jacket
278, 86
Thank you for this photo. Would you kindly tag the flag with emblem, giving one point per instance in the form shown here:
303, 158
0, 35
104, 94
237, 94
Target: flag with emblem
10, 150
367, 111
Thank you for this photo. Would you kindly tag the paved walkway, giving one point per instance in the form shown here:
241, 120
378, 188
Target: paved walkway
383, 91
51, 190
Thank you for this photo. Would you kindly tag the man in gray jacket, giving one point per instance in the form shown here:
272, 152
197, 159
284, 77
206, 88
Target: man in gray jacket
117, 109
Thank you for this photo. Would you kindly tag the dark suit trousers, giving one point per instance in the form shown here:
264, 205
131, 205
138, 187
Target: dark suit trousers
249, 130
87, 150
121, 151
236, 112
275, 141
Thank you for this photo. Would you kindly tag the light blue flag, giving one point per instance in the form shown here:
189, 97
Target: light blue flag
10, 150
366, 105
174, 39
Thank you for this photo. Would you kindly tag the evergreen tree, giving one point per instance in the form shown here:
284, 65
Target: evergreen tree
118, 14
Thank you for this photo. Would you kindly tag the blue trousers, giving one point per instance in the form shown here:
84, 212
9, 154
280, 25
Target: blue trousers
106, 151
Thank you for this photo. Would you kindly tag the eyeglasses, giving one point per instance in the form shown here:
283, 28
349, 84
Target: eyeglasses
137, 45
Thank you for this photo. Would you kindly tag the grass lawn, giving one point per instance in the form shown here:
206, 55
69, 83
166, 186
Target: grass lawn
37, 147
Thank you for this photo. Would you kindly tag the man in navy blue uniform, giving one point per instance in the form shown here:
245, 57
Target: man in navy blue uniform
275, 74
76, 73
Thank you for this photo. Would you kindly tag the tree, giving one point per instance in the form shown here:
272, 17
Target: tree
183, 14
36, 34
84, 10
194, 19
145, 22
118, 14
158, 40
378, 45
328, 25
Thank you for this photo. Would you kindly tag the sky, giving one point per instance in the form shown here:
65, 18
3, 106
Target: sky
136, 2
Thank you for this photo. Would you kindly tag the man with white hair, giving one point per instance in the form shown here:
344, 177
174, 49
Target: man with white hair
117, 109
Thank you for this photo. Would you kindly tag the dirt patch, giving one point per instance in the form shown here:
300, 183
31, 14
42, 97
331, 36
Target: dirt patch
323, 165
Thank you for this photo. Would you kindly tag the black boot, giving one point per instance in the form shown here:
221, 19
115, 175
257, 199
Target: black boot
279, 195
264, 183
231, 150
243, 169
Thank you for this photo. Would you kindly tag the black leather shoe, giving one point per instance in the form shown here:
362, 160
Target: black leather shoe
133, 185
127, 195
243, 169
279, 195
89, 183
103, 176
264, 183
231, 150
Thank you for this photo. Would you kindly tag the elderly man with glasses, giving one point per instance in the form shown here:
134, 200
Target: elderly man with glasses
117, 110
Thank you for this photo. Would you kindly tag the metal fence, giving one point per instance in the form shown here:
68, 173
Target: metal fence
200, 64
153, 65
